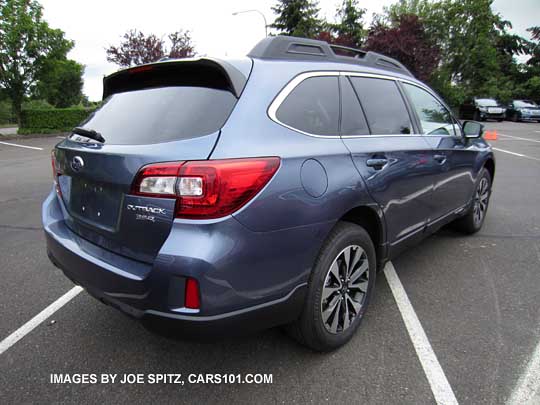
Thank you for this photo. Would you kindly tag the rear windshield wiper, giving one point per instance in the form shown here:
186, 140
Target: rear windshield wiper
89, 133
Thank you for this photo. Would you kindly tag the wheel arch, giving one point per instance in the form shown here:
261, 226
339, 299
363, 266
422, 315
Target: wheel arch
489, 164
372, 220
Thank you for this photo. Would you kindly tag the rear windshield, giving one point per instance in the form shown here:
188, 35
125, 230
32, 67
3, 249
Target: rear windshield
161, 114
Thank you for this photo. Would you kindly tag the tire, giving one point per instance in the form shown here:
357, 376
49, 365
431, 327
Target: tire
476, 116
515, 117
473, 220
499, 120
323, 325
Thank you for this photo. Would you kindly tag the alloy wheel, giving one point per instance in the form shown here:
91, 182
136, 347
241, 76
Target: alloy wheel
345, 289
481, 199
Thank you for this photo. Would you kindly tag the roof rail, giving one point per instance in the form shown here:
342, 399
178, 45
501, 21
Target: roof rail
293, 48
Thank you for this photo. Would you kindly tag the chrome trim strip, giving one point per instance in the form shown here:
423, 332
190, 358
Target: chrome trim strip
289, 87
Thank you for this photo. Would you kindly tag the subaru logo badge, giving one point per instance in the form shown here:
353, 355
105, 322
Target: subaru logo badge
77, 163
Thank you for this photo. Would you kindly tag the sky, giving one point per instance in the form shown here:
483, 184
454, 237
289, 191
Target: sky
95, 25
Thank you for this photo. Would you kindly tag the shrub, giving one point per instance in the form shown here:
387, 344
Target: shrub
36, 105
52, 120
5, 112
39, 131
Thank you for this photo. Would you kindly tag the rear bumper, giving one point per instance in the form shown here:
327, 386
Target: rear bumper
243, 321
248, 280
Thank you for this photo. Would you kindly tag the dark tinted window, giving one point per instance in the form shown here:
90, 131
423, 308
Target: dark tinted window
313, 106
434, 117
384, 107
353, 121
161, 114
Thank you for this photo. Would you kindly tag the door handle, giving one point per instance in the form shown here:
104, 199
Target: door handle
440, 159
377, 164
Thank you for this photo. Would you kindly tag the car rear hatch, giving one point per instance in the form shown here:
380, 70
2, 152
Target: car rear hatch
163, 112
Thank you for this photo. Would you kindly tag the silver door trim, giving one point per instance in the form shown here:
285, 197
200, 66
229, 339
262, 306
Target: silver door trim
289, 87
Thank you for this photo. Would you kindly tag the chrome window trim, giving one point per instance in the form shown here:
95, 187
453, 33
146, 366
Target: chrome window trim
291, 85
381, 136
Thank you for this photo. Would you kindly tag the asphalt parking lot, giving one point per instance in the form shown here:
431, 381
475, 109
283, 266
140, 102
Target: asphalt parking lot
476, 299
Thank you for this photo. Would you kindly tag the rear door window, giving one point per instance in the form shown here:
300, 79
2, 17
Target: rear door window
313, 106
353, 121
435, 119
162, 114
384, 106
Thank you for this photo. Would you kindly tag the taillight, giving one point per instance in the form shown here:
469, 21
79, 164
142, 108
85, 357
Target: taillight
157, 180
56, 172
53, 163
207, 188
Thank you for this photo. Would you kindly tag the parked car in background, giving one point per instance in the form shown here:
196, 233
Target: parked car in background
481, 109
217, 197
523, 110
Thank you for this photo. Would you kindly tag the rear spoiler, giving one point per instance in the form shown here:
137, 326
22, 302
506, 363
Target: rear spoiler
201, 72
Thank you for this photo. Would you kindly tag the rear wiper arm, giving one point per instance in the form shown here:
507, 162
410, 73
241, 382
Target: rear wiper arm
89, 133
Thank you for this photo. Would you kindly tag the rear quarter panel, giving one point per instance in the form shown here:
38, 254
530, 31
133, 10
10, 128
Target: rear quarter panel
284, 203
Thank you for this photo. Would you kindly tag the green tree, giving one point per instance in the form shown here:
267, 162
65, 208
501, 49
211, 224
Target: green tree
26, 42
530, 89
528, 86
534, 47
468, 33
60, 83
299, 18
350, 22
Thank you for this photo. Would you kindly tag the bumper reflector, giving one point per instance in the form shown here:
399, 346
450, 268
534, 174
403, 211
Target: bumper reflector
192, 294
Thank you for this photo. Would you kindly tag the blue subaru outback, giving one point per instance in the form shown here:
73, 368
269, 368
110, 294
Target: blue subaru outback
213, 196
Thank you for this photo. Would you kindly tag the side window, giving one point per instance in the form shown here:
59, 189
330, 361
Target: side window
435, 119
384, 107
313, 106
353, 121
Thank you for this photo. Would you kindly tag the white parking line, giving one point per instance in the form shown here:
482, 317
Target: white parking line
520, 138
507, 151
516, 154
528, 385
442, 391
21, 146
39, 318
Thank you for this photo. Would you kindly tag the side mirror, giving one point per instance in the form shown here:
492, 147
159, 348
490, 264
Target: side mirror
472, 129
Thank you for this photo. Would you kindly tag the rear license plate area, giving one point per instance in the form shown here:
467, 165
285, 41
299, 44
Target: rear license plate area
95, 202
